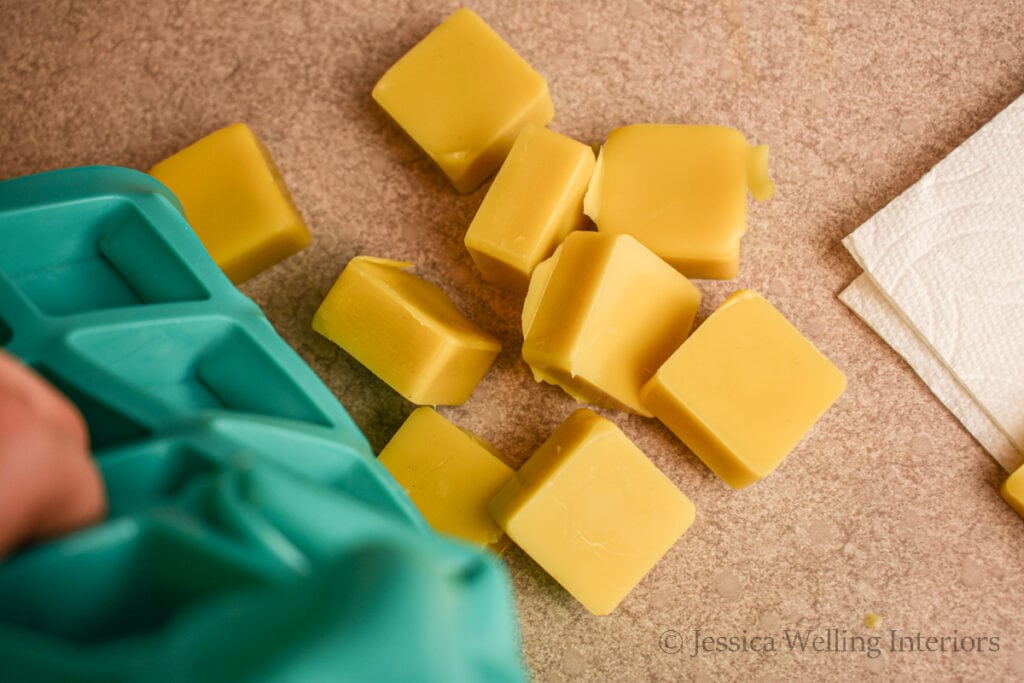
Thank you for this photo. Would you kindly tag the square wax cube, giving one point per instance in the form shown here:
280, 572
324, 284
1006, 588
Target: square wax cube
236, 201
1012, 490
681, 190
743, 389
601, 315
534, 202
406, 331
463, 94
592, 510
450, 475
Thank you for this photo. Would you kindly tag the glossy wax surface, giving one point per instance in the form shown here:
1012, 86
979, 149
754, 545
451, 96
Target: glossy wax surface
236, 201
601, 315
1012, 491
681, 190
450, 475
463, 94
534, 202
592, 510
743, 389
406, 331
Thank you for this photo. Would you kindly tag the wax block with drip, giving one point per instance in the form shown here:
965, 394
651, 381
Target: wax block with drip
449, 474
406, 331
743, 389
681, 190
463, 94
534, 202
592, 510
601, 315
1012, 490
236, 201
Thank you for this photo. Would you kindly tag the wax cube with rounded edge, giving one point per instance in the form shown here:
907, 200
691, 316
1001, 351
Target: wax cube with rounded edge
450, 475
406, 331
236, 201
601, 315
743, 389
681, 190
534, 202
1012, 490
463, 94
592, 510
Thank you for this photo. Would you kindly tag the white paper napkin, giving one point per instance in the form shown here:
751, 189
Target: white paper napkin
944, 281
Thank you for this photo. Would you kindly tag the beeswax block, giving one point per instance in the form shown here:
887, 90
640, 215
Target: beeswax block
601, 315
681, 190
1013, 490
592, 510
743, 389
406, 331
463, 94
449, 474
534, 202
236, 201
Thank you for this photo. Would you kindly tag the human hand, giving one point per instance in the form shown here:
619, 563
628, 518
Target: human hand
49, 483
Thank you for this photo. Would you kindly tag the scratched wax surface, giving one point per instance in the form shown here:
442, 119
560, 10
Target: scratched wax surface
888, 506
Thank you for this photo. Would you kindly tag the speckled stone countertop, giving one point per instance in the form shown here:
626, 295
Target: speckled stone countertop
888, 506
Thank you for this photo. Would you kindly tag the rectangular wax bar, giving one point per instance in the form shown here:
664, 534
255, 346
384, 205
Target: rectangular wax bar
681, 190
450, 475
592, 510
534, 202
743, 389
236, 201
601, 315
1012, 490
406, 331
462, 94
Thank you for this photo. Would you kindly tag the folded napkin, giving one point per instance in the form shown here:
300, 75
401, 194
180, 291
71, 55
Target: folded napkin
944, 282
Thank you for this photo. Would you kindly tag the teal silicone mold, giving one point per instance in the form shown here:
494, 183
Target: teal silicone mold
251, 535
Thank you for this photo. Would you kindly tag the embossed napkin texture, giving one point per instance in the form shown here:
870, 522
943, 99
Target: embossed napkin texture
943, 281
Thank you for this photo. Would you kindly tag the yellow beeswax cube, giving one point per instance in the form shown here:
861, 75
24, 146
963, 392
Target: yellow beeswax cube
450, 475
681, 190
462, 94
743, 389
534, 202
236, 201
592, 510
406, 331
1012, 490
601, 315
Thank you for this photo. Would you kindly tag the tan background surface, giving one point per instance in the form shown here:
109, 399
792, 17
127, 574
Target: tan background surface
888, 506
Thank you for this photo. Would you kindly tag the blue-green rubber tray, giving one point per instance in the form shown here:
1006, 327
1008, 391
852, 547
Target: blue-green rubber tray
252, 535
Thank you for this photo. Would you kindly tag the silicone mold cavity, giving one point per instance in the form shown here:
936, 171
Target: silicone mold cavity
208, 364
149, 475
249, 523
91, 262
127, 578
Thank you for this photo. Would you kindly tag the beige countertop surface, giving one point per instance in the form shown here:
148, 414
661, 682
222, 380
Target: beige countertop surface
888, 506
